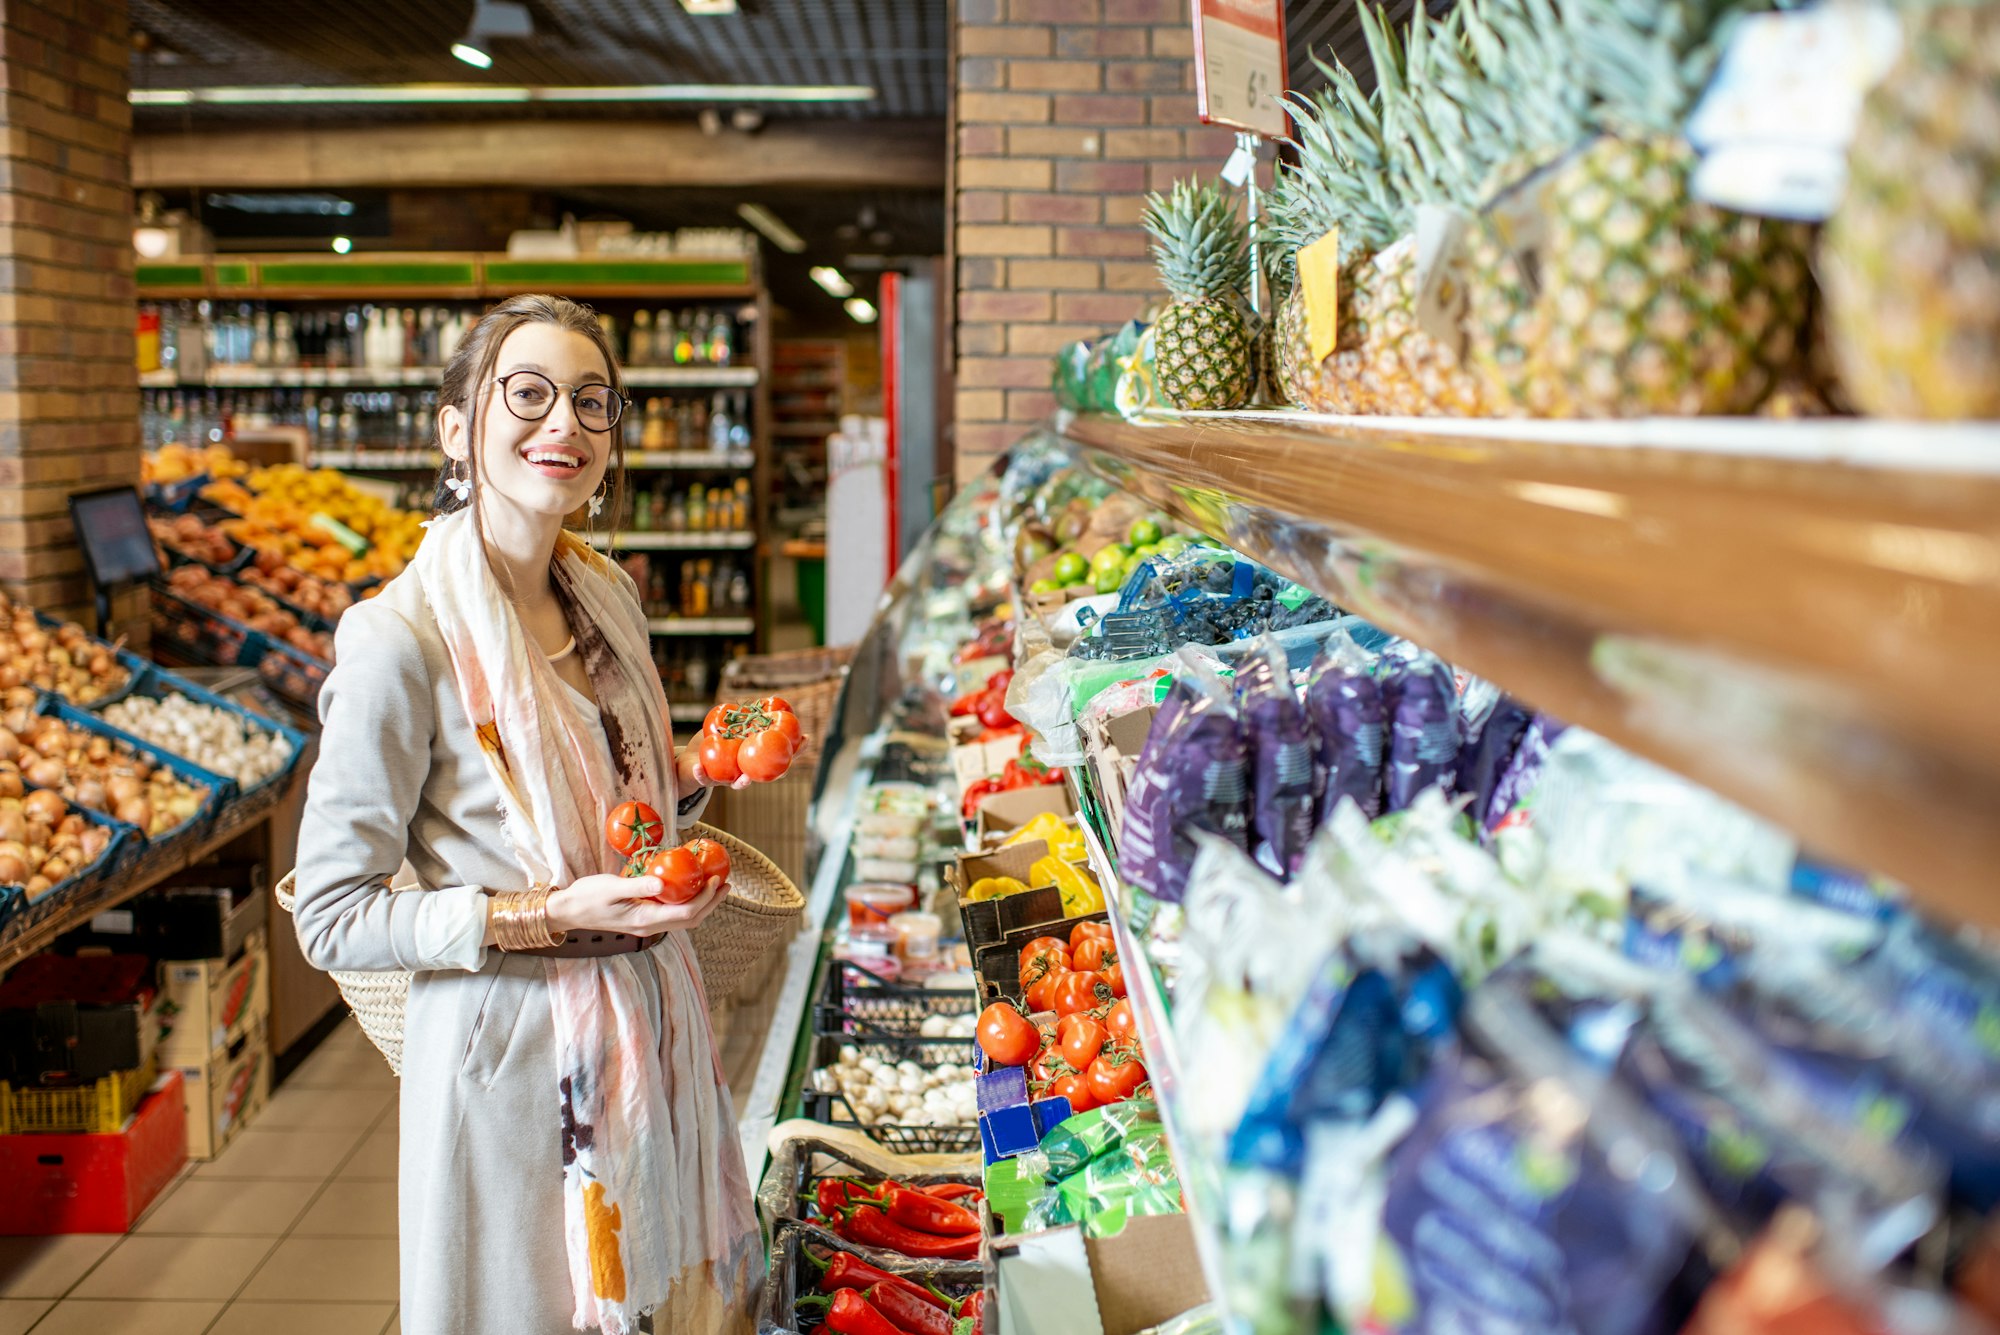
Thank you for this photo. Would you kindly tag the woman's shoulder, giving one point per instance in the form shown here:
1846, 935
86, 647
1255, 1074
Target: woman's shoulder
392, 631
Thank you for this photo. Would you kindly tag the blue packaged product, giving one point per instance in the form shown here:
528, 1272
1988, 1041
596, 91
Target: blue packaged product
1350, 726
1423, 729
1849, 891
1282, 809
1192, 775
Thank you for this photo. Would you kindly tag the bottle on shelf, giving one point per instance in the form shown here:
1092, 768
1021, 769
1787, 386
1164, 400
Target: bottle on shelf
148, 339
697, 508
741, 508
642, 512
673, 517
684, 339
721, 340
739, 590
640, 353
654, 436
718, 514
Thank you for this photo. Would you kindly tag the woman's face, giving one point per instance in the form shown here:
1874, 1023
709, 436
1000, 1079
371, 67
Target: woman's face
550, 466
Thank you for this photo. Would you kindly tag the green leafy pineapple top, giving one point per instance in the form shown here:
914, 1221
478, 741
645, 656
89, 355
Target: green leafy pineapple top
1201, 246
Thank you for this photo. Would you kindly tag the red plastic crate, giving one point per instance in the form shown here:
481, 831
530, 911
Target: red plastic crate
94, 1184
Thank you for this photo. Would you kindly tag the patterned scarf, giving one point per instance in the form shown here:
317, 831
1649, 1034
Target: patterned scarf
657, 1210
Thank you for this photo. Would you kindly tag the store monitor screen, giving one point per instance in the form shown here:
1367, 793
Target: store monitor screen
111, 526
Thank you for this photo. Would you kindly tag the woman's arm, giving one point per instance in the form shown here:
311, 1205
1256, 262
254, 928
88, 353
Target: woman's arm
378, 722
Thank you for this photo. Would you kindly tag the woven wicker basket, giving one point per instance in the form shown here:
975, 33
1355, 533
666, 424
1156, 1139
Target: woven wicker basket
762, 909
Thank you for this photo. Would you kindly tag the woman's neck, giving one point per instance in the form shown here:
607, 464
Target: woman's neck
521, 546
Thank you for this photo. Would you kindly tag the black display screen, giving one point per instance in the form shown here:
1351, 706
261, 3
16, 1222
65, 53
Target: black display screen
111, 527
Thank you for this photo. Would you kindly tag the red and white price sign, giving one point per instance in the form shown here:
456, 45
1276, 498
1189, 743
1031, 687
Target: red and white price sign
1239, 61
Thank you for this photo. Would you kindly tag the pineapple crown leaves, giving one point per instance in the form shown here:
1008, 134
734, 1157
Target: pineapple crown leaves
1200, 245
1643, 63
1341, 178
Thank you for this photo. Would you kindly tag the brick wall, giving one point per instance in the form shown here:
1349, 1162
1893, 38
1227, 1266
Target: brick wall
69, 400
1066, 112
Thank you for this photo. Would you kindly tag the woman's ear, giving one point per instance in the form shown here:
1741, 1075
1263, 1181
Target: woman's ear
451, 432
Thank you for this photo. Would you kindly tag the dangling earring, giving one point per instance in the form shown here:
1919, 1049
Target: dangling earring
461, 487
597, 502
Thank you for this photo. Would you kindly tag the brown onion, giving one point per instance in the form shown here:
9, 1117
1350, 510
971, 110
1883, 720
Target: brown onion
137, 812
45, 808
90, 793
47, 773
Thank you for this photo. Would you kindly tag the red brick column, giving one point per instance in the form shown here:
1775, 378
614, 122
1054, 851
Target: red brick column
1065, 113
69, 398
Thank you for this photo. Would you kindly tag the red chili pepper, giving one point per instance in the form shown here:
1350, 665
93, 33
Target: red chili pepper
915, 1317
852, 1314
867, 1224
932, 1215
973, 1309
849, 1271
953, 1191
835, 1193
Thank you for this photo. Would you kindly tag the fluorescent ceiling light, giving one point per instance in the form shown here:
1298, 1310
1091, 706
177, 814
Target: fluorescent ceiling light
832, 280
297, 94
341, 245
765, 221
472, 55
152, 242
706, 7
861, 309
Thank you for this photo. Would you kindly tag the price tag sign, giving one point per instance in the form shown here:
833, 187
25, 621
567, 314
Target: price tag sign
1239, 61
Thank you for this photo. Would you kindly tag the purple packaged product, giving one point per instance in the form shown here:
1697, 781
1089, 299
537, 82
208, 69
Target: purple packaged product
1349, 721
1192, 775
1423, 729
1483, 758
1280, 744
1523, 771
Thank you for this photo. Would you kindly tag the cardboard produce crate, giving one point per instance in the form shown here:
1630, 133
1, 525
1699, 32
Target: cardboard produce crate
94, 1183
209, 1004
226, 1091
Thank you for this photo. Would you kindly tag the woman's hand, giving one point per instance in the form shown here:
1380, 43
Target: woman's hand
697, 777
627, 904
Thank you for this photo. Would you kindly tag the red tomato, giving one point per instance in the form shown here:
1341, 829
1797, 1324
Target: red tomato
679, 874
1077, 1090
717, 720
1006, 1036
718, 758
787, 725
1115, 1075
1055, 943
764, 756
1080, 1039
633, 827
1084, 930
713, 857
1041, 960
1094, 953
1122, 1025
1076, 992
775, 704
1046, 1067
1114, 978
1041, 994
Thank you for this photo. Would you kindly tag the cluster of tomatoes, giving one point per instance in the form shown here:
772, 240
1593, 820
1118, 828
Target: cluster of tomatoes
1089, 1053
635, 831
757, 739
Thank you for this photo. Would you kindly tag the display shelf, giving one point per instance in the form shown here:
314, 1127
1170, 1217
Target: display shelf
427, 460
447, 276
1795, 614
334, 377
713, 459
384, 461
691, 377
644, 541
701, 625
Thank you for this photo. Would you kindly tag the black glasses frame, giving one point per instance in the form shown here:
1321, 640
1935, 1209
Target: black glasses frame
618, 401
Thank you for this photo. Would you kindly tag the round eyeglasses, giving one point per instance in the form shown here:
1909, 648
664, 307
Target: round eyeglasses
531, 396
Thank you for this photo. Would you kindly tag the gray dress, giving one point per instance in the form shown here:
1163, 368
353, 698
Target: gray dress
400, 777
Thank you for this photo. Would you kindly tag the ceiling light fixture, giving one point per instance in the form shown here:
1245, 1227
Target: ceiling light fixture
707, 8
765, 221
152, 242
341, 245
469, 52
419, 93
832, 280
861, 309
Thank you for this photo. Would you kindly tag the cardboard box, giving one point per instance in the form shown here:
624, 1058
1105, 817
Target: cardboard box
988, 922
973, 761
226, 1091
999, 965
1114, 745
208, 1004
1003, 813
94, 1184
1062, 1283
973, 674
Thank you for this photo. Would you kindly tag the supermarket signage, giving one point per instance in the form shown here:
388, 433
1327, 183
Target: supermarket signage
1239, 64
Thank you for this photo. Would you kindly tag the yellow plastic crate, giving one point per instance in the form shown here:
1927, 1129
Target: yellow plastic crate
94, 1109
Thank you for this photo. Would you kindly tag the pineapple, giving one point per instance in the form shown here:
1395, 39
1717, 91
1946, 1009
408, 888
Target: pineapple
1202, 350
1911, 259
1650, 302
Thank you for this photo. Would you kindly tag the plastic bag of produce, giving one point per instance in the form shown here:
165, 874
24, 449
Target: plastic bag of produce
1072, 367
1350, 725
1282, 779
1192, 776
1420, 700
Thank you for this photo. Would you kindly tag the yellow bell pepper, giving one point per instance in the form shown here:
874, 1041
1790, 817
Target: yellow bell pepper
1065, 841
1079, 889
994, 887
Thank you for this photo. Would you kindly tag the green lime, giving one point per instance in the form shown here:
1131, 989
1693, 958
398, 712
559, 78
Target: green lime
1070, 569
1109, 581
1143, 532
1174, 544
1045, 586
1109, 557
1147, 552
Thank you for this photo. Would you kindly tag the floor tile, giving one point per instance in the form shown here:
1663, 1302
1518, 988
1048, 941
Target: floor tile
349, 1069
219, 1207
259, 1155
255, 1318
362, 1208
375, 1160
48, 1267
327, 1269
167, 1267
17, 1314
303, 1108
77, 1316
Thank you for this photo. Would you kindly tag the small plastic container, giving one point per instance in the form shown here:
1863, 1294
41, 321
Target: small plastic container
870, 906
917, 936
888, 871
889, 825
907, 799
890, 847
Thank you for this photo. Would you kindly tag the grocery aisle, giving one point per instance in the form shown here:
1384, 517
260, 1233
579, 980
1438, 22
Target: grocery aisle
292, 1228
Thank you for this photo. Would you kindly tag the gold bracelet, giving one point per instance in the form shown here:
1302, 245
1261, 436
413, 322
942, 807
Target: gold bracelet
521, 920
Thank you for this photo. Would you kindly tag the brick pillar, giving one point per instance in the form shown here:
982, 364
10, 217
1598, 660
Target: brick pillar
1066, 112
69, 397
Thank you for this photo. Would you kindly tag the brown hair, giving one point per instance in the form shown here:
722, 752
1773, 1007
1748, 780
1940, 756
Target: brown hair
474, 365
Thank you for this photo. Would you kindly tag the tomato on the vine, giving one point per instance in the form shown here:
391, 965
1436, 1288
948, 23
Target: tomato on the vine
717, 720
1114, 977
1093, 953
1115, 1075
1047, 1066
718, 758
1076, 992
1083, 931
633, 827
1041, 993
1123, 1026
714, 859
1076, 1089
765, 755
1006, 1036
678, 871
776, 704
1080, 1038
1041, 943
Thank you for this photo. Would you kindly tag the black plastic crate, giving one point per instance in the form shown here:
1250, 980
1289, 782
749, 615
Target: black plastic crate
833, 1108
793, 1275
856, 1000
805, 1162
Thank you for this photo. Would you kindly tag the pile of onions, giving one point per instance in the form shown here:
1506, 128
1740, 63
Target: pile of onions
42, 842
64, 660
215, 739
250, 606
93, 772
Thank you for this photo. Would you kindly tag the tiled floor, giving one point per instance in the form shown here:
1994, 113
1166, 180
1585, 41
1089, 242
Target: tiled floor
292, 1229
